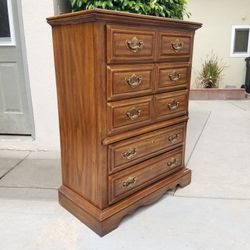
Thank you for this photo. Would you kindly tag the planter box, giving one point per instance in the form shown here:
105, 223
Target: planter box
217, 94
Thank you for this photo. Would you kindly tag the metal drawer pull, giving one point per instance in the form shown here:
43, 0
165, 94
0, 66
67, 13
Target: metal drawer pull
173, 105
134, 81
133, 113
130, 154
173, 138
174, 77
134, 45
177, 45
130, 181
172, 162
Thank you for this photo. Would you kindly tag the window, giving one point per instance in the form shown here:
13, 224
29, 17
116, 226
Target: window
6, 24
240, 44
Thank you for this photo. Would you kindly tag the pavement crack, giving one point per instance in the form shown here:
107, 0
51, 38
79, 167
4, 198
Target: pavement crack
203, 128
213, 198
11, 169
237, 106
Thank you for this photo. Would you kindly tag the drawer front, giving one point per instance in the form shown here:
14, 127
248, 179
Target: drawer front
126, 44
128, 181
129, 81
175, 45
172, 76
132, 151
170, 105
128, 114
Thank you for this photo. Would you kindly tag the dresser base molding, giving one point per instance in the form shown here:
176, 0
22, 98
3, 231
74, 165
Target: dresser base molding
104, 221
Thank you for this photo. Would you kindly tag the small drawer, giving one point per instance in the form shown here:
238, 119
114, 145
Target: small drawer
172, 76
132, 151
171, 104
127, 182
175, 45
129, 81
126, 44
129, 114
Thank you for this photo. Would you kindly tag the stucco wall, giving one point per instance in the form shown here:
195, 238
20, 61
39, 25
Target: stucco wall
215, 35
41, 72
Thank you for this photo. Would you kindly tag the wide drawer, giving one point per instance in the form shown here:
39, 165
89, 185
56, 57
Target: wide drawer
126, 44
127, 182
129, 81
134, 150
169, 105
174, 45
172, 76
128, 114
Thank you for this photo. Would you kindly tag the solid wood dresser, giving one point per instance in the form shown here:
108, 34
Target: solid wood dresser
123, 85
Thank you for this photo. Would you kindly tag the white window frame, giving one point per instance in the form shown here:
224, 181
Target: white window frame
237, 54
9, 41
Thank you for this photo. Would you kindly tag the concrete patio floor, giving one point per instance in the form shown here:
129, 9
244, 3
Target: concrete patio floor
211, 213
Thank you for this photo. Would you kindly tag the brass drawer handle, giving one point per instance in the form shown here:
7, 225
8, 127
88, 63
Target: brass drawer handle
172, 162
174, 77
173, 105
130, 181
134, 45
173, 138
130, 154
177, 45
133, 113
134, 81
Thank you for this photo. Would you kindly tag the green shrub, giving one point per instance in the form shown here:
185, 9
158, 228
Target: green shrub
163, 8
211, 72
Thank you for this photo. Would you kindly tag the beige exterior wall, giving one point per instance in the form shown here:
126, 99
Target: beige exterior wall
218, 17
39, 50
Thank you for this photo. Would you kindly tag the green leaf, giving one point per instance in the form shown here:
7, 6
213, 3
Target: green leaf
165, 8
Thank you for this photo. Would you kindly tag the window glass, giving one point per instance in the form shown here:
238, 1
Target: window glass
241, 40
4, 19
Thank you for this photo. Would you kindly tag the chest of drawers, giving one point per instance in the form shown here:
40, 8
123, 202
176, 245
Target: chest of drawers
123, 85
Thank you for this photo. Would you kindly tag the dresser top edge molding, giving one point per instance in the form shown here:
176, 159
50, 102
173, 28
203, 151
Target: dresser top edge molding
95, 15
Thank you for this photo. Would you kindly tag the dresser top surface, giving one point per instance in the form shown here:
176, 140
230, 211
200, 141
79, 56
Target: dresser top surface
119, 16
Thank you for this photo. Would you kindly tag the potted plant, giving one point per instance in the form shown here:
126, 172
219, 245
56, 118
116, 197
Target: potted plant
208, 81
164, 8
211, 73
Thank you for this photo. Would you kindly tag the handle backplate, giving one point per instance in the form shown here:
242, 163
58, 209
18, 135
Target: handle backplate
177, 45
173, 105
129, 181
133, 113
133, 81
175, 76
172, 162
134, 44
129, 154
174, 137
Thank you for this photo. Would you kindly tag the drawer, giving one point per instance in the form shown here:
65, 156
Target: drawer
175, 45
171, 104
128, 114
126, 44
172, 76
129, 81
127, 182
129, 152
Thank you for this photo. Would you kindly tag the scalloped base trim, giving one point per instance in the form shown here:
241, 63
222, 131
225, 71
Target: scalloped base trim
104, 221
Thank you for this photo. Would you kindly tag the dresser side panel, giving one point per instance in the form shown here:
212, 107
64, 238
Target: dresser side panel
81, 102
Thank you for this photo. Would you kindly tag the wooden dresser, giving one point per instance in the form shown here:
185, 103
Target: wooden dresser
123, 85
